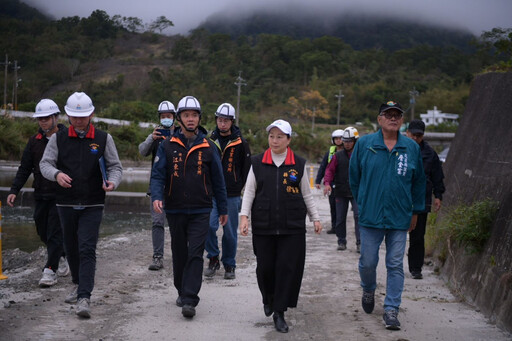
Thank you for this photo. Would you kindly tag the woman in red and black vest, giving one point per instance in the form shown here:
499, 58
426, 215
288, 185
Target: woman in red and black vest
277, 197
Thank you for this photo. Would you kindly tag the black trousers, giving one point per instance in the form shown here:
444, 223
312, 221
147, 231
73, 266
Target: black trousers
188, 235
81, 230
280, 267
416, 253
332, 206
49, 231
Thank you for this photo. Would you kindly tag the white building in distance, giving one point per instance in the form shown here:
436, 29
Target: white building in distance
435, 117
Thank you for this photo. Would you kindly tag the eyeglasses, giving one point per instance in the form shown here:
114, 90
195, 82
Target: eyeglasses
390, 115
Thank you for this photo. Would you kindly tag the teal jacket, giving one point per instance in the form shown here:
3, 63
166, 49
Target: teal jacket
389, 187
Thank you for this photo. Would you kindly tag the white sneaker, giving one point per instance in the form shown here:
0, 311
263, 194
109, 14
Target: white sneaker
82, 309
63, 269
73, 295
49, 278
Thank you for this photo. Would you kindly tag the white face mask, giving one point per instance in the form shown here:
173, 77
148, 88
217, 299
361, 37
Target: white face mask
166, 122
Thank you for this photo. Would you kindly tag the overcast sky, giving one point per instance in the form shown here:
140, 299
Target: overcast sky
475, 15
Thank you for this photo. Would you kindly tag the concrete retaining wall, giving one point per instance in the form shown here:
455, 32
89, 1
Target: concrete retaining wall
479, 165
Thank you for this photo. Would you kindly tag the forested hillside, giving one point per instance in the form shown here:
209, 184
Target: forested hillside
128, 70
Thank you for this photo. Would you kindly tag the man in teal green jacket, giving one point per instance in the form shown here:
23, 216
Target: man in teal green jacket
388, 181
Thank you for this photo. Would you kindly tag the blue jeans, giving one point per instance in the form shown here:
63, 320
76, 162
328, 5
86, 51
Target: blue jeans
371, 238
230, 235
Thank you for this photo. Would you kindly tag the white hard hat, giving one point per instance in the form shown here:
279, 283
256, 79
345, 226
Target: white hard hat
166, 106
79, 105
189, 103
336, 133
225, 110
46, 107
350, 133
282, 125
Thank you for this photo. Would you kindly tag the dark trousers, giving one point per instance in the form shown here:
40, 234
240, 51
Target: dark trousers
280, 267
81, 230
341, 219
332, 206
188, 235
416, 253
49, 231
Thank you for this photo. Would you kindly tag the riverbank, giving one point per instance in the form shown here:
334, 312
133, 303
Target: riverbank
131, 303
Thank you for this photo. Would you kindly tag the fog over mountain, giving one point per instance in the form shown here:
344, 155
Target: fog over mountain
473, 15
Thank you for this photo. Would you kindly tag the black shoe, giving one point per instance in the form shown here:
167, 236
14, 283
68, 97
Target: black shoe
279, 322
267, 308
391, 320
416, 275
179, 302
188, 311
230, 272
368, 301
342, 247
156, 264
331, 231
213, 266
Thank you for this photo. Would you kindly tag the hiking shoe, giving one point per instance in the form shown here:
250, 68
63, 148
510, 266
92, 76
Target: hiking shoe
358, 248
230, 272
417, 275
331, 231
368, 301
49, 278
179, 302
63, 269
391, 320
82, 309
212, 267
342, 247
157, 264
188, 311
73, 296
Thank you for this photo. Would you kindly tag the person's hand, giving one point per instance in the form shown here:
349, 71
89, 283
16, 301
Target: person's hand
327, 189
223, 219
414, 220
437, 204
318, 227
244, 225
110, 186
156, 135
157, 206
10, 199
64, 180
317, 186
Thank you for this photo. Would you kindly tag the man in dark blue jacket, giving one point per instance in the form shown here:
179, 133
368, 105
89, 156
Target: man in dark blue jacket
435, 184
186, 174
236, 161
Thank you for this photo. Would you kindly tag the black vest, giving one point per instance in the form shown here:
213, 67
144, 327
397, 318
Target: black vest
189, 185
340, 184
78, 158
278, 206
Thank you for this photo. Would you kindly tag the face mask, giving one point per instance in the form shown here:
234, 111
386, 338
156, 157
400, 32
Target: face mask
166, 122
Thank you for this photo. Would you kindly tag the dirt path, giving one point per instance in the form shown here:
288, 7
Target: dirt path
131, 303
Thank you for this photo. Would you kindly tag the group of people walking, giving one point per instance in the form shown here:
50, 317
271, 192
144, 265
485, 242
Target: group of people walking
196, 185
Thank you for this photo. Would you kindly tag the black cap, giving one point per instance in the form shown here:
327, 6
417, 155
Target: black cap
416, 127
390, 105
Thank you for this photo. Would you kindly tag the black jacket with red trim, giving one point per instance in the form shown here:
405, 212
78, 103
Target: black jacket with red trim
236, 160
43, 188
278, 206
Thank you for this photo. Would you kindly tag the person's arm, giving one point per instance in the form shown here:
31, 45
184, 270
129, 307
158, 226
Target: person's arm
146, 146
247, 200
437, 182
158, 176
321, 170
246, 159
329, 175
48, 163
355, 170
218, 184
113, 165
310, 203
419, 186
24, 170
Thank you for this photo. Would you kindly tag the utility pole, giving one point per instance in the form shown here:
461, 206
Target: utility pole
239, 82
339, 96
16, 81
414, 93
5, 81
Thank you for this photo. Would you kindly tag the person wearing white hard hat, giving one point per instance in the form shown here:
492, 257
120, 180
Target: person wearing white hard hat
186, 175
336, 182
236, 161
46, 217
277, 197
337, 145
74, 158
166, 115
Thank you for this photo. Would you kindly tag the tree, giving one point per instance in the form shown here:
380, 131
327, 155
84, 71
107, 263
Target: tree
160, 24
309, 105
